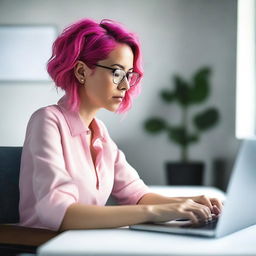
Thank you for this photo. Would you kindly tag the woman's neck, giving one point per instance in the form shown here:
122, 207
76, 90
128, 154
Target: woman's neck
87, 113
87, 109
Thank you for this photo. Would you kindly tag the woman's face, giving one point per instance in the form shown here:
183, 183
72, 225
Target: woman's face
100, 91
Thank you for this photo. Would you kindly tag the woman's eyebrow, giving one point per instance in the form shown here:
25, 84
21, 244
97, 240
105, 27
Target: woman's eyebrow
121, 66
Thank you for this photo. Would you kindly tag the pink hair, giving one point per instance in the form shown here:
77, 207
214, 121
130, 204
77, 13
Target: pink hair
89, 41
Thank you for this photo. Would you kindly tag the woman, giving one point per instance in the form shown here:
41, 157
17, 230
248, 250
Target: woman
70, 165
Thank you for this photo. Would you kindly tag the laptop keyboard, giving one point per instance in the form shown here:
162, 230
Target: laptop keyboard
207, 226
210, 225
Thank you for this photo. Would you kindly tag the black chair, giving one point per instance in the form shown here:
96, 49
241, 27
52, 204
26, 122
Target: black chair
15, 239
9, 184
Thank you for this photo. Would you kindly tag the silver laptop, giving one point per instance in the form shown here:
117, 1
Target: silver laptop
239, 210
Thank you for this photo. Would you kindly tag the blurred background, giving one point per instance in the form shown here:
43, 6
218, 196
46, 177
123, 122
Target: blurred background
177, 37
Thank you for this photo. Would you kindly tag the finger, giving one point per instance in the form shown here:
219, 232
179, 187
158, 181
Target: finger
217, 202
216, 210
207, 214
204, 200
190, 215
203, 212
199, 211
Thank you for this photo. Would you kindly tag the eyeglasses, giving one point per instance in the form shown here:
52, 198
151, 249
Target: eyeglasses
119, 75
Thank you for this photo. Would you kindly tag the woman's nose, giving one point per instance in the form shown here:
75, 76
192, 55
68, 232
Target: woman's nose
124, 85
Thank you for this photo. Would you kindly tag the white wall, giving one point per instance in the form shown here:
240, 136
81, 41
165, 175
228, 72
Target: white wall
178, 36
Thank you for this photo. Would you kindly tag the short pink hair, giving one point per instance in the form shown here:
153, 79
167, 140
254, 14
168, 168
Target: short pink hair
90, 42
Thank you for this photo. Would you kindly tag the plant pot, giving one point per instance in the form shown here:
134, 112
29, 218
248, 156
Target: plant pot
179, 173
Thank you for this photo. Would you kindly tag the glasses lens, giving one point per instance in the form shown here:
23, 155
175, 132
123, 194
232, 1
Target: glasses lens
118, 76
132, 78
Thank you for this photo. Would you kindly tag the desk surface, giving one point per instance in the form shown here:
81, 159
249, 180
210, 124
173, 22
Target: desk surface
131, 242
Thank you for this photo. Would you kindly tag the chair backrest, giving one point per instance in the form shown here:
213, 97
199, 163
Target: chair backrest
9, 184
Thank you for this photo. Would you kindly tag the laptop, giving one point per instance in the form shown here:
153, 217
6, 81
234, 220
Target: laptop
239, 209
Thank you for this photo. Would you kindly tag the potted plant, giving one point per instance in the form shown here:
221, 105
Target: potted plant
185, 94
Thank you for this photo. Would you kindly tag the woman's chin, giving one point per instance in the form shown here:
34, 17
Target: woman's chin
112, 108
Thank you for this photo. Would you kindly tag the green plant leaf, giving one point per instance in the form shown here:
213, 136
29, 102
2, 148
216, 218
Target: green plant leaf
206, 119
154, 125
201, 88
192, 138
182, 90
167, 96
180, 136
185, 93
177, 135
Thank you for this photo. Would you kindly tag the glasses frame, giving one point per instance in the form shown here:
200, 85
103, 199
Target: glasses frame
126, 73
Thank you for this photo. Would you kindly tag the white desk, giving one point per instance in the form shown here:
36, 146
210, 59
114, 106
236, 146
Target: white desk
124, 242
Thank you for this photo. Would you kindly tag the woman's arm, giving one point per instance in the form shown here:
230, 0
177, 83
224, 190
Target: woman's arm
79, 216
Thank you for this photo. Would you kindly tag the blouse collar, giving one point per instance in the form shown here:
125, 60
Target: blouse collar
75, 123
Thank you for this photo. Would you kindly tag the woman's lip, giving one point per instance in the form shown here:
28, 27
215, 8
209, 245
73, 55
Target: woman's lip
118, 98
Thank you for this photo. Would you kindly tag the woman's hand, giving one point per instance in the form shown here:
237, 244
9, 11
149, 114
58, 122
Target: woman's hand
214, 204
196, 208
187, 208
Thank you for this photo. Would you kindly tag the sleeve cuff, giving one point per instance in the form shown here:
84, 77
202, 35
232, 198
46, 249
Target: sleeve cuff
51, 209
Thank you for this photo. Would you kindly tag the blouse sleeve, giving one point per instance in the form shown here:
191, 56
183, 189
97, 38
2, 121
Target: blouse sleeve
128, 187
52, 185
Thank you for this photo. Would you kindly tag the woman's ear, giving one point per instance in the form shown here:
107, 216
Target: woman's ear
81, 71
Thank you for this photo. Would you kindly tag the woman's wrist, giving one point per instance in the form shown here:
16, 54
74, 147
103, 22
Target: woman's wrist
150, 213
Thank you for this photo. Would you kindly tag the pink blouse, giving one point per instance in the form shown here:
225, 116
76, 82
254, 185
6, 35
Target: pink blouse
57, 169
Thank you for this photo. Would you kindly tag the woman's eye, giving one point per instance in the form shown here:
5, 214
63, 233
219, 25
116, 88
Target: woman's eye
117, 73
